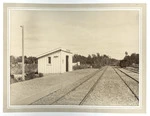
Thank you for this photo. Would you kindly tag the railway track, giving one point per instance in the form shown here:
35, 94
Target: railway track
98, 87
129, 81
92, 88
89, 82
132, 70
129, 75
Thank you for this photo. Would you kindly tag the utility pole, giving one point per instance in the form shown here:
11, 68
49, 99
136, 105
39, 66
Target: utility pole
22, 27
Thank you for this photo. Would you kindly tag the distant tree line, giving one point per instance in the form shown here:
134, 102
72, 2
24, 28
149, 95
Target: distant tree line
130, 60
27, 60
95, 60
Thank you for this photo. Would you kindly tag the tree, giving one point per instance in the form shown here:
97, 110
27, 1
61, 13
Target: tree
95, 60
13, 60
126, 53
89, 60
79, 58
32, 60
98, 55
129, 60
19, 59
27, 60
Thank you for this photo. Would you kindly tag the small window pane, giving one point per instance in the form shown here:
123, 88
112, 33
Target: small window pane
49, 60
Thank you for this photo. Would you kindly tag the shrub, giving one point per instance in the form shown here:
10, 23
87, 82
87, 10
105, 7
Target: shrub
29, 76
30, 68
98, 65
123, 63
12, 76
17, 69
41, 75
36, 72
12, 79
76, 67
20, 79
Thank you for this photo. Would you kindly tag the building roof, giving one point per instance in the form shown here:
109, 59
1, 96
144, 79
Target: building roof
54, 51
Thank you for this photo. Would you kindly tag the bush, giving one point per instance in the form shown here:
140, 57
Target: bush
36, 72
41, 75
123, 63
30, 68
12, 76
20, 79
12, 79
30, 76
76, 67
98, 65
17, 69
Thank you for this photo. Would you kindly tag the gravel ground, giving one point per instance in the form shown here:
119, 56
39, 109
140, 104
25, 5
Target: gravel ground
111, 91
135, 70
28, 91
53, 97
130, 73
55, 89
76, 96
130, 82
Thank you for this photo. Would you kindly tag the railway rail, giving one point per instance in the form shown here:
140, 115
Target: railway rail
130, 86
131, 70
79, 92
129, 75
92, 88
54, 97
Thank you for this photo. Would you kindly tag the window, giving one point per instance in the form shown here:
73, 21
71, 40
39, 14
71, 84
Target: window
49, 60
55, 56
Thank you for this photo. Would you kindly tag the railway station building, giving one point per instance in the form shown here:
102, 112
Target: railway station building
56, 61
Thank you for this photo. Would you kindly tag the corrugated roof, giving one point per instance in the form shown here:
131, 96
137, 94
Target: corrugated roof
53, 51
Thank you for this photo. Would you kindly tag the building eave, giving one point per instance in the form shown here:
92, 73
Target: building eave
53, 51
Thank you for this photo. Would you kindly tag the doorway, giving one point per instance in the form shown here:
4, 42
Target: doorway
67, 63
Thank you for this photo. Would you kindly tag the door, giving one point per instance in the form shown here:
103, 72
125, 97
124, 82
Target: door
67, 63
56, 64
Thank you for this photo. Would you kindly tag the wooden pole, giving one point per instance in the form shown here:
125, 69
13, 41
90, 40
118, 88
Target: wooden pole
22, 52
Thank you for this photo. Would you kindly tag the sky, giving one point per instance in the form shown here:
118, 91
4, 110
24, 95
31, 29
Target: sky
104, 32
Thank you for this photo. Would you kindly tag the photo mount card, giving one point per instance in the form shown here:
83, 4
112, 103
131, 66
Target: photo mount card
75, 58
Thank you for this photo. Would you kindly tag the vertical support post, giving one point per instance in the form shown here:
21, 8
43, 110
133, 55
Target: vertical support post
22, 52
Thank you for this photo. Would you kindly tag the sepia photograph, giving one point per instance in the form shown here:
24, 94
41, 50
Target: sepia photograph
75, 57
